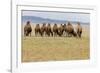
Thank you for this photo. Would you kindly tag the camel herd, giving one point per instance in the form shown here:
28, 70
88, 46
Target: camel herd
47, 30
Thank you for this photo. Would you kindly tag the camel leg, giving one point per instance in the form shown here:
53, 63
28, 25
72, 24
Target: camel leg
30, 34
80, 35
35, 33
51, 33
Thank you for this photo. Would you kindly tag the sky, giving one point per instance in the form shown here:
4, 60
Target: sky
69, 16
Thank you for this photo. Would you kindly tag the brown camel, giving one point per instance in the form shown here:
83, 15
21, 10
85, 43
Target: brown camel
55, 29
27, 29
79, 29
49, 30
70, 29
60, 30
37, 30
43, 29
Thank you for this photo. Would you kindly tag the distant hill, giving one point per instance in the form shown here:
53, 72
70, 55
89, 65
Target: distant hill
35, 19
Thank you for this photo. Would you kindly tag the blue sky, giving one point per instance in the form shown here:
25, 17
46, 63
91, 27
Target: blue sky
69, 16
